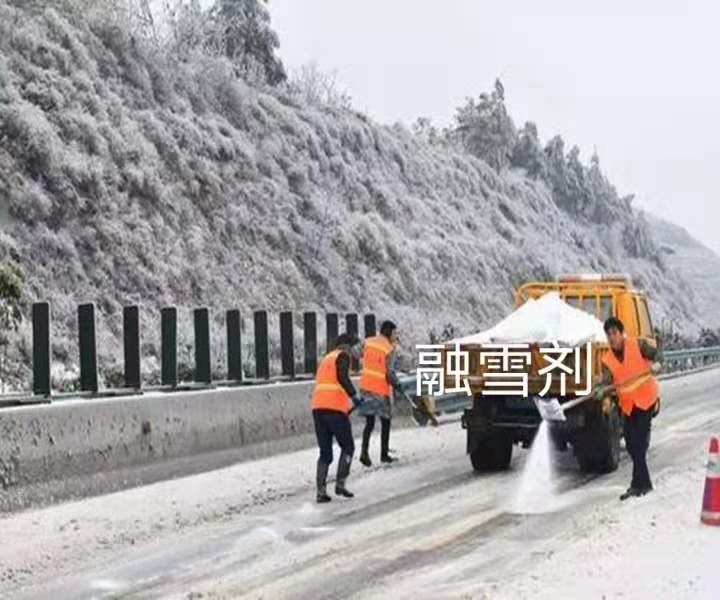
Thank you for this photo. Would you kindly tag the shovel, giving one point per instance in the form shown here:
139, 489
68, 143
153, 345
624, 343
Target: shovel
421, 414
552, 410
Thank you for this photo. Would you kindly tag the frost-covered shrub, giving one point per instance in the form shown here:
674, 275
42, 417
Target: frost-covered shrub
33, 138
65, 378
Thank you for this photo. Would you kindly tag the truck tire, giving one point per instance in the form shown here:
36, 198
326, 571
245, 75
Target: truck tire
492, 454
611, 439
599, 450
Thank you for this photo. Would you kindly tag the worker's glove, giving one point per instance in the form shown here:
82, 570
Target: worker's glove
357, 401
656, 368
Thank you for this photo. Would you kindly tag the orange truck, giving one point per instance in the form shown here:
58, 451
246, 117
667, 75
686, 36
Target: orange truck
494, 423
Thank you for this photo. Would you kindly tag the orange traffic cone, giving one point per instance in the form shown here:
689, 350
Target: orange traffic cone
711, 498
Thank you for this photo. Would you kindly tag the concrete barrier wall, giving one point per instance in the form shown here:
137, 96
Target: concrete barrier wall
72, 438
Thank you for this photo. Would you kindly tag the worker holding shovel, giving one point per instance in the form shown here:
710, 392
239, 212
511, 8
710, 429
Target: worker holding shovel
628, 368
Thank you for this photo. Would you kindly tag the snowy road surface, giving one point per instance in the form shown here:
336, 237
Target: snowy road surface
425, 527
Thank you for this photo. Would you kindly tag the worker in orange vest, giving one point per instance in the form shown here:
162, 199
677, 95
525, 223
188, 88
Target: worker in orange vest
331, 399
629, 365
377, 380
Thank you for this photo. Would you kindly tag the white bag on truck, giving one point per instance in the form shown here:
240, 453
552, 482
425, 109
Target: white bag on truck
547, 319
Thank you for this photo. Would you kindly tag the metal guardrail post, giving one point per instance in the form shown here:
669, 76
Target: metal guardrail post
203, 367
168, 346
331, 330
131, 347
88, 348
262, 358
351, 323
370, 326
287, 348
233, 323
42, 382
310, 341
351, 327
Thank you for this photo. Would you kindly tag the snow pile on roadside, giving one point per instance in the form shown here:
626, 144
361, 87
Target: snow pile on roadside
547, 319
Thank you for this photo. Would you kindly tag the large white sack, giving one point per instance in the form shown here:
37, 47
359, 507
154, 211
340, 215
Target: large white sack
547, 319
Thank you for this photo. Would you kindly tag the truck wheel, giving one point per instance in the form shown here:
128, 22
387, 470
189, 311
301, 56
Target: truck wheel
492, 454
599, 451
611, 458
587, 464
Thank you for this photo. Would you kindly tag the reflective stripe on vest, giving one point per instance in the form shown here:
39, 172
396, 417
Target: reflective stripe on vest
373, 378
328, 394
642, 392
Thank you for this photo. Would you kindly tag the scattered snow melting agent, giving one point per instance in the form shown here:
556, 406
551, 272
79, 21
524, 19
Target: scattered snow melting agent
536, 490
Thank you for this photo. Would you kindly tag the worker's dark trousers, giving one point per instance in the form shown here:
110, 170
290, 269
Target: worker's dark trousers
384, 434
331, 424
637, 440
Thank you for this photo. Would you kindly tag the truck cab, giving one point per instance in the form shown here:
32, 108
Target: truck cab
494, 423
603, 296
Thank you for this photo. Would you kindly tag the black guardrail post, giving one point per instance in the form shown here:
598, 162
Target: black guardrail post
168, 346
233, 324
310, 341
203, 368
351, 323
88, 349
352, 327
131, 346
41, 349
331, 330
262, 358
370, 326
287, 350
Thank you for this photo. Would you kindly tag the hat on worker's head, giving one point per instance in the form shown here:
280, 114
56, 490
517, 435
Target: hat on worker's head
387, 328
346, 340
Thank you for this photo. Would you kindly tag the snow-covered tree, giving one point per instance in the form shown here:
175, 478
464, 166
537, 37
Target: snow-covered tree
577, 192
484, 128
311, 85
528, 153
248, 38
424, 129
12, 281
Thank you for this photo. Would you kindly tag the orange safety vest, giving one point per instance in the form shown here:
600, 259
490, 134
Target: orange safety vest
373, 378
328, 393
641, 392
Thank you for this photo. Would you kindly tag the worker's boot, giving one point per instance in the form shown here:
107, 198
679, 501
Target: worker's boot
385, 441
364, 454
645, 490
631, 492
342, 474
321, 481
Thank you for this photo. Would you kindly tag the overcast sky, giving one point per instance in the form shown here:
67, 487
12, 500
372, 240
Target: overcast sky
636, 80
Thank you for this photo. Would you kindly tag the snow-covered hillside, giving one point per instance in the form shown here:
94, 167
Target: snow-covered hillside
130, 177
698, 265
